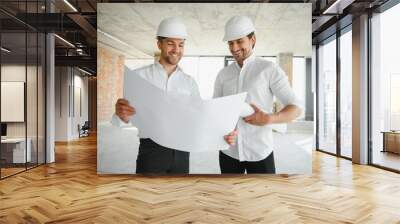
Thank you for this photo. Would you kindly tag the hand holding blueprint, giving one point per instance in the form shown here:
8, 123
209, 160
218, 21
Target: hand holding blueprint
178, 121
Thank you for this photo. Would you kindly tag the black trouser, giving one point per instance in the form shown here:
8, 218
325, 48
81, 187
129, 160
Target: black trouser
231, 165
154, 158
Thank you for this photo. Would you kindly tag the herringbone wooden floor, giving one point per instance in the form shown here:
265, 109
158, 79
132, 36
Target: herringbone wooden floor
70, 191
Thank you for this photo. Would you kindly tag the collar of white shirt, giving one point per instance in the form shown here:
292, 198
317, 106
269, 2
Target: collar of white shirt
159, 65
246, 61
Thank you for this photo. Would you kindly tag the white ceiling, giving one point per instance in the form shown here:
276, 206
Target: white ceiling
132, 26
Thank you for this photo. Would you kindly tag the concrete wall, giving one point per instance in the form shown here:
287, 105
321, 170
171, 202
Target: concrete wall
309, 110
360, 90
285, 61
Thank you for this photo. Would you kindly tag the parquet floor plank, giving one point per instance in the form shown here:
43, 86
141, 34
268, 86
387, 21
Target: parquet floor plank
70, 191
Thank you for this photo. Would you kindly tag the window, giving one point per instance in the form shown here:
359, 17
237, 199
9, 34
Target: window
385, 85
270, 58
299, 82
22, 65
204, 70
394, 102
327, 96
346, 94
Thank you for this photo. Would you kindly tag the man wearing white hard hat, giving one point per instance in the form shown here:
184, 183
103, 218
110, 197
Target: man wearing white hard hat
166, 75
262, 80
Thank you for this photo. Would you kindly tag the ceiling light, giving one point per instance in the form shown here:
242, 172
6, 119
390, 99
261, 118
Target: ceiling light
70, 5
65, 41
112, 37
79, 51
5, 49
86, 72
338, 6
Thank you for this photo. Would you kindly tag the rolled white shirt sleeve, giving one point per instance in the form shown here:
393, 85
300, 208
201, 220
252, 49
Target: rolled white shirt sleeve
281, 88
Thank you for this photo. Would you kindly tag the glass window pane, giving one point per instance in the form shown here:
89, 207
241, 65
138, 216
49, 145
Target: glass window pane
31, 98
327, 97
346, 94
204, 70
23, 89
299, 82
385, 89
13, 87
208, 71
394, 101
270, 58
41, 98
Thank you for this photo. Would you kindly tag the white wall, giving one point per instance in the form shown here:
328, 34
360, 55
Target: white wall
79, 117
61, 103
12, 73
69, 82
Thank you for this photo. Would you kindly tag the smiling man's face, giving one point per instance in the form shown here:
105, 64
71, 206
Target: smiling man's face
242, 48
172, 49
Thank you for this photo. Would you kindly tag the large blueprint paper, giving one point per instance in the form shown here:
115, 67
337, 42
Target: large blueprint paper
179, 121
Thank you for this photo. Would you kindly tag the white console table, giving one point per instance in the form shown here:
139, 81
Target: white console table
18, 149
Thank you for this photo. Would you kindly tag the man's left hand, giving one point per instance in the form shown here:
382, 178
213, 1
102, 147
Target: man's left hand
231, 137
259, 117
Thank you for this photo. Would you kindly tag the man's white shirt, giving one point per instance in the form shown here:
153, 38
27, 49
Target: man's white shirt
178, 81
262, 80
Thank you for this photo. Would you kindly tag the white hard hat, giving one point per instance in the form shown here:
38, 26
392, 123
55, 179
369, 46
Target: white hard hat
172, 27
238, 27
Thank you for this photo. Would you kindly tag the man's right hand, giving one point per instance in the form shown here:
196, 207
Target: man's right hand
123, 110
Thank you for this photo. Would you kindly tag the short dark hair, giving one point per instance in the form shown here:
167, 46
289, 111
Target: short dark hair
160, 38
250, 35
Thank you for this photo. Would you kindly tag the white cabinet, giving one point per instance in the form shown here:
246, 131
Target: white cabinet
18, 149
